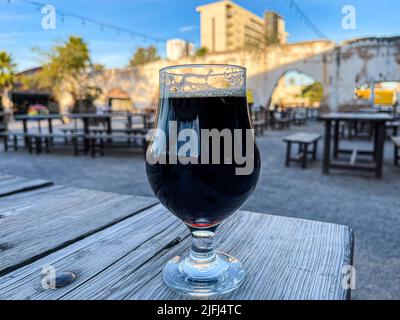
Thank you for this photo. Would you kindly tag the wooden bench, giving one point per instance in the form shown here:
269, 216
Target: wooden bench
396, 142
303, 140
40, 142
97, 141
11, 140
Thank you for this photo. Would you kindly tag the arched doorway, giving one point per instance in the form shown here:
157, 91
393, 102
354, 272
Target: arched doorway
119, 100
295, 89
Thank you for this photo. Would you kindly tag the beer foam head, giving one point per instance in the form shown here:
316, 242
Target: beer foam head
203, 81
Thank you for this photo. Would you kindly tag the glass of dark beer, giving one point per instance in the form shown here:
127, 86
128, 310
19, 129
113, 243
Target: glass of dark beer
203, 164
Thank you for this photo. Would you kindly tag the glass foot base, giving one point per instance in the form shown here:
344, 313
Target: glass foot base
222, 275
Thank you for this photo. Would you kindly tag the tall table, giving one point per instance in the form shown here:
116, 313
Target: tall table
377, 121
102, 245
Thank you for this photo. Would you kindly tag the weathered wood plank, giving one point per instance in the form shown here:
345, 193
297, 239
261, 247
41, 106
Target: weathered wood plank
284, 258
36, 223
11, 185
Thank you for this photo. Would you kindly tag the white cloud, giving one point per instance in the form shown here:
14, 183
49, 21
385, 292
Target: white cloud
187, 28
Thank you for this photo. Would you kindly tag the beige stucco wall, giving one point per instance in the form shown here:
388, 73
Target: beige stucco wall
338, 68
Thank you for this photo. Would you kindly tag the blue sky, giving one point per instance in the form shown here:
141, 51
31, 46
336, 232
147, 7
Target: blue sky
20, 23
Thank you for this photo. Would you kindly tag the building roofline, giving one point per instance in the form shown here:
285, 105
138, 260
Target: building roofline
272, 11
199, 8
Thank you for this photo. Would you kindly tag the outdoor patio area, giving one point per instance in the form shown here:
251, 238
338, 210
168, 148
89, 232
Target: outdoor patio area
368, 205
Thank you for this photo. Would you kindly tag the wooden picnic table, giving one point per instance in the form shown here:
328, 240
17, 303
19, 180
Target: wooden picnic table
86, 118
146, 118
10, 184
112, 246
38, 118
376, 120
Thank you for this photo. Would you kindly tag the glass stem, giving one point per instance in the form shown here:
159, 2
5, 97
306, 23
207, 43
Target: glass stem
202, 250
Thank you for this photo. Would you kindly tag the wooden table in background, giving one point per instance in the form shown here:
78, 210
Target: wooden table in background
377, 120
117, 245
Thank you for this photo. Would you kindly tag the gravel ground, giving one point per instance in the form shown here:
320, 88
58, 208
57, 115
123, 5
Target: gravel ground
371, 207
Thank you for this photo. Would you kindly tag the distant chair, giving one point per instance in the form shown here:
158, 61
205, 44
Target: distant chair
258, 121
281, 120
299, 116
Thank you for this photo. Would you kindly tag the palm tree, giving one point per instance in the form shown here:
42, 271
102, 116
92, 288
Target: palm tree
7, 73
7, 70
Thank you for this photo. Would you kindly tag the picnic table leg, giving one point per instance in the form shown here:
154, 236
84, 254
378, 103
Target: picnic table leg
350, 128
327, 147
38, 143
304, 155
47, 142
30, 144
50, 121
15, 142
6, 143
336, 139
375, 140
129, 121
25, 128
288, 153
109, 128
86, 131
315, 148
380, 133
76, 147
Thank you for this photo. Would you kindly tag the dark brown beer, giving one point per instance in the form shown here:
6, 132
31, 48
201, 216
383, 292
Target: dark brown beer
203, 195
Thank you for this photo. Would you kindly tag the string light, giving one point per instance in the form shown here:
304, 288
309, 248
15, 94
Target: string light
293, 5
102, 25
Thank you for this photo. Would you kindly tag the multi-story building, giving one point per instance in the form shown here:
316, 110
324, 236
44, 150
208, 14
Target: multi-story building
275, 29
226, 26
178, 48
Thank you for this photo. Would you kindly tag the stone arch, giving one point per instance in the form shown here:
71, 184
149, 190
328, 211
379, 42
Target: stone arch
284, 74
264, 84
